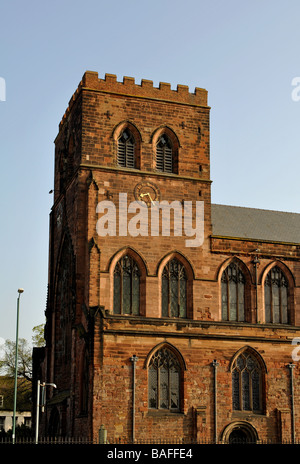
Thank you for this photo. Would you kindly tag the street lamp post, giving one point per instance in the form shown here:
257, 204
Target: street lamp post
42, 405
20, 290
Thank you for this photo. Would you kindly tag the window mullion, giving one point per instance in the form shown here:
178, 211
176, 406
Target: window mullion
178, 295
271, 301
237, 297
131, 286
169, 389
121, 288
241, 390
158, 388
250, 391
170, 290
280, 303
228, 296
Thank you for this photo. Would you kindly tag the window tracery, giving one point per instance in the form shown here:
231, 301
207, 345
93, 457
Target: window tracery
164, 375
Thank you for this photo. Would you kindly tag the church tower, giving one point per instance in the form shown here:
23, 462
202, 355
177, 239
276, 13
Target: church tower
119, 143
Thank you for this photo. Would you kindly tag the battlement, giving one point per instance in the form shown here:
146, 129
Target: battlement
91, 81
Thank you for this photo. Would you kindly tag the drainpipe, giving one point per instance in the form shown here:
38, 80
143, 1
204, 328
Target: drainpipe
291, 367
134, 360
215, 365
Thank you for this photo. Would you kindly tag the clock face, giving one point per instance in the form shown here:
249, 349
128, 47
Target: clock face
146, 192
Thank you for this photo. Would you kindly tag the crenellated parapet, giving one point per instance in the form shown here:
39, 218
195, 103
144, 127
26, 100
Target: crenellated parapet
110, 84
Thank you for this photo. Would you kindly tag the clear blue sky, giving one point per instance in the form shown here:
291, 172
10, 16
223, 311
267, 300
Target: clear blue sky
244, 52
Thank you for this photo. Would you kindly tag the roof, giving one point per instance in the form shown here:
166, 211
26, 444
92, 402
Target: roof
255, 224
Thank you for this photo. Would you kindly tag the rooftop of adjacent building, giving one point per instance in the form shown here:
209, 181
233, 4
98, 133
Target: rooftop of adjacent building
256, 224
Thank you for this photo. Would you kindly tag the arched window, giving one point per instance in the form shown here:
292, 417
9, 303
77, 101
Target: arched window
126, 286
126, 150
164, 378
276, 297
233, 293
174, 290
247, 383
164, 154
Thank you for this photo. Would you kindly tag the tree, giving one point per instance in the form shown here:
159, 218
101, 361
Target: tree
7, 363
38, 336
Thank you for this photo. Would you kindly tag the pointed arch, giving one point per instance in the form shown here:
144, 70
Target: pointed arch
248, 372
175, 277
165, 367
181, 257
163, 129
285, 269
254, 352
235, 285
242, 265
165, 145
128, 283
132, 252
169, 346
127, 141
277, 283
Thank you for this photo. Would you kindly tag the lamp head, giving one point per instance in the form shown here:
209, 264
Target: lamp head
20, 290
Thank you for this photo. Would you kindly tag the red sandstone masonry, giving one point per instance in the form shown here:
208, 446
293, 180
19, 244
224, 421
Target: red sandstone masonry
94, 116
110, 84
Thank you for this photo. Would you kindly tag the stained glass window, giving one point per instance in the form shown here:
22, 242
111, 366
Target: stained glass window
233, 293
164, 381
276, 297
126, 150
246, 383
174, 289
126, 286
164, 155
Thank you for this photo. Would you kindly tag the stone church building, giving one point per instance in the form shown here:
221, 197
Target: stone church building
168, 317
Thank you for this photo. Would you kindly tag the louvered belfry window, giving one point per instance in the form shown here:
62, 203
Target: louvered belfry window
164, 154
276, 297
164, 374
233, 293
246, 383
174, 289
126, 286
126, 150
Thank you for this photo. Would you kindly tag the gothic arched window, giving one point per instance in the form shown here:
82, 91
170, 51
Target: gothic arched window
276, 297
164, 378
164, 154
126, 286
126, 150
247, 383
174, 289
233, 293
